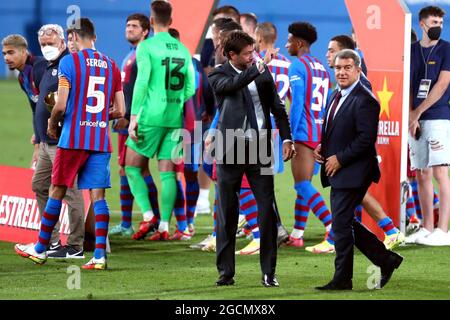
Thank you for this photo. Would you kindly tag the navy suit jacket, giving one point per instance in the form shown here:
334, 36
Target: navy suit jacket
352, 138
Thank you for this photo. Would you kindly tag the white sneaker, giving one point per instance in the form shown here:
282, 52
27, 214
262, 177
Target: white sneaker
211, 245
96, 264
201, 244
203, 207
415, 236
436, 238
27, 251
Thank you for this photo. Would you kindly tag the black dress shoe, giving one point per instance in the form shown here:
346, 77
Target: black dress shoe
336, 286
225, 281
386, 272
269, 281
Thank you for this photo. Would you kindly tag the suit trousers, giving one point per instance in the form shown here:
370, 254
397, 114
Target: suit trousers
41, 184
229, 178
349, 232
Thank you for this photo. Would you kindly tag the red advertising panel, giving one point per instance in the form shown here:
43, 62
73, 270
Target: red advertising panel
19, 213
383, 30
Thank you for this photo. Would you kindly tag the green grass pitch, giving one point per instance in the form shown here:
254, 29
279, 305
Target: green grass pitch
171, 270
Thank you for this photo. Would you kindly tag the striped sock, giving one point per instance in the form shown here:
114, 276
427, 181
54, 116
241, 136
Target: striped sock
436, 208
330, 237
415, 194
101, 227
388, 226
192, 193
178, 208
301, 216
153, 195
49, 219
126, 202
249, 208
358, 213
410, 208
435, 198
318, 206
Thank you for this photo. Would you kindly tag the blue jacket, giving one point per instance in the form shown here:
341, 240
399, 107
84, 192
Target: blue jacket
48, 83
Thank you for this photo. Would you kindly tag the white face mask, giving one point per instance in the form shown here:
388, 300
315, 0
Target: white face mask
50, 53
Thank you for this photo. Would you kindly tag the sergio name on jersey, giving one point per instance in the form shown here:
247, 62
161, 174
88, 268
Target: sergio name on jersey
93, 79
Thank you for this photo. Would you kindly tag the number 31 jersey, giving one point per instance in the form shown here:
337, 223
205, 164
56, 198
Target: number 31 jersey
310, 88
93, 79
165, 80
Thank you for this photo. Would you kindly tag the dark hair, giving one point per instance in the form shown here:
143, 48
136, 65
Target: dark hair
161, 12
219, 22
304, 31
230, 26
344, 41
250, 18
431, 11
228, 10
143, 21
174, 33
236, 41
267, 31
85, 28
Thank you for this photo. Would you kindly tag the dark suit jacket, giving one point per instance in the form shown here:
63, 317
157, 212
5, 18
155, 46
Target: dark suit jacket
235, 102
352, 138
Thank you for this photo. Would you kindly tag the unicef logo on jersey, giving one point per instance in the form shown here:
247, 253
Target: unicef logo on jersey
93, 124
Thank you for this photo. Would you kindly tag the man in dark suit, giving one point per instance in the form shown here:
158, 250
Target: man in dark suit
246, 95
349, 164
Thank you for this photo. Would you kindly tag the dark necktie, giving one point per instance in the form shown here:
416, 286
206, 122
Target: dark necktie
333, 110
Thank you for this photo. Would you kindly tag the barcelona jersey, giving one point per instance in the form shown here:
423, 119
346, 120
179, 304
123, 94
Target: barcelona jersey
310, 84
93, 79
279, 68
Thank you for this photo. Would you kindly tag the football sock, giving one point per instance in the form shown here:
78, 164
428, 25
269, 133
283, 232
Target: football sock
192, 194
314, 201
153, 195
138, 187
168, 194
178, 208
415, 193
126, 202
249, 208
388, 226
48, 221
101, 227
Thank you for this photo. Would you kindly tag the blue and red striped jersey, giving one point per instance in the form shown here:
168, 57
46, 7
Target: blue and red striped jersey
128, 76
279, 68
310, 87
94, 79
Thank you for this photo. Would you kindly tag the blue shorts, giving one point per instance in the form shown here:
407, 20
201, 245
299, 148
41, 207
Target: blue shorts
96, 173
92, 168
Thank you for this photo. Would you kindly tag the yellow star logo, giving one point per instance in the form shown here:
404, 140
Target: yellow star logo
384, 96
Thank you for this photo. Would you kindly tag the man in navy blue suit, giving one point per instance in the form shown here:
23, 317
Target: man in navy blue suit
349, 165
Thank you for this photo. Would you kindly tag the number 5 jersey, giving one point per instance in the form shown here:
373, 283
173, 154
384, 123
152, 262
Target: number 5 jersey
93, 79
